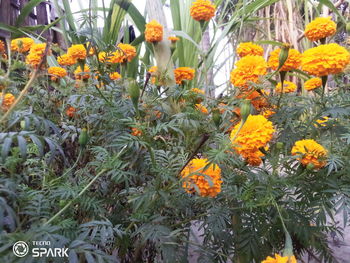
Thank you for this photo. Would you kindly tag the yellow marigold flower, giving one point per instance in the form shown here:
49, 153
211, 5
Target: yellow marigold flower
288, 87
202, 108
136, 132
66, 60
7, 100
82, 74
267, 113
183, 73
56, 73
125, 52
70, 112
205, 176
325, 60
2, 47
22, 45
312, 84
280, 259
322, 121
198, 91
311, 153
293, 61
77, 52
36, 54
248, 69
256, 132
249, 49
173, 39
319, 28
202, 10
115, 76
154, 32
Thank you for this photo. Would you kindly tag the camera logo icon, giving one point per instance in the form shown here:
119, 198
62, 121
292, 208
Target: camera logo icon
20, 249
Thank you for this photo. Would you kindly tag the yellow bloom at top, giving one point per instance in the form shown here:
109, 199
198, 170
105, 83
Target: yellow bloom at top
319, 28
202, 10
311, 153
66, 60
7, 100
288, 87
36, 54
77, 52
82, 74
154, 32
280, 259
56, 73
312, 84
248, 69
205, 176
125, 52
22, 45
325, 60
293, 61
115, 76
183, 73
249, 49
256, 132
173, 39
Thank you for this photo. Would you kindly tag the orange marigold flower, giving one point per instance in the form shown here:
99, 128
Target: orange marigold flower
267, 113
22, 45
125, 52
77, 52
136, 132
293, 61
115, 76
198, 91
311, 153
320, 27
56, 73
202, 108
183, 73
66, 60
249, 49
154, 72
82, 74
325, 60
248, 69
36, 54
202, 10
280, 259
70, 112
288, 87
173, 39
154, 32
2, 47
312, 84
258, 101
256, 132
205, 176
7, 100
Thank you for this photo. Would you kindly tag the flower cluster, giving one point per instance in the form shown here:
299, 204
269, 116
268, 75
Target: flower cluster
320, 28
77, 52
115, 76
183, 73
205, 176
173, 39
2, 47
125, 53
293, 61
311, 153
202, 10
66, 60
288, 87
256, 132
280, 259
22, 45
36, 54
249, 49
136, 132
56, 73
7, 100
312, 84
154, 32
202, 108
70, 112
82, 74
325, 60
248, 69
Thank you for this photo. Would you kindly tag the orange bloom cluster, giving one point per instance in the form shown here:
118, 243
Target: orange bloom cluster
77, 52
36, 54
173, 39
202, 108
2, 47
258, 101
70, 112
256, 132
206, 177
280, 259
311, 153
153, 70
115, 76
22, 45
293, 61
82, 74
183, 73
248, 69
136, 132
56, 73
154, 32
125, 52
312, 84
202, 10
7, 100
198, 91
319, 28
66, 60
249, 49
288, 87
325, 60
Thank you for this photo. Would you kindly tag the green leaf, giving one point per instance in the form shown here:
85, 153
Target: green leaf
22, 144
6, 148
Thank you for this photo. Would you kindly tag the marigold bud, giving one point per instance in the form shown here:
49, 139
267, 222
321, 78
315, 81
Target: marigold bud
283, 55
83, 138
245, 109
